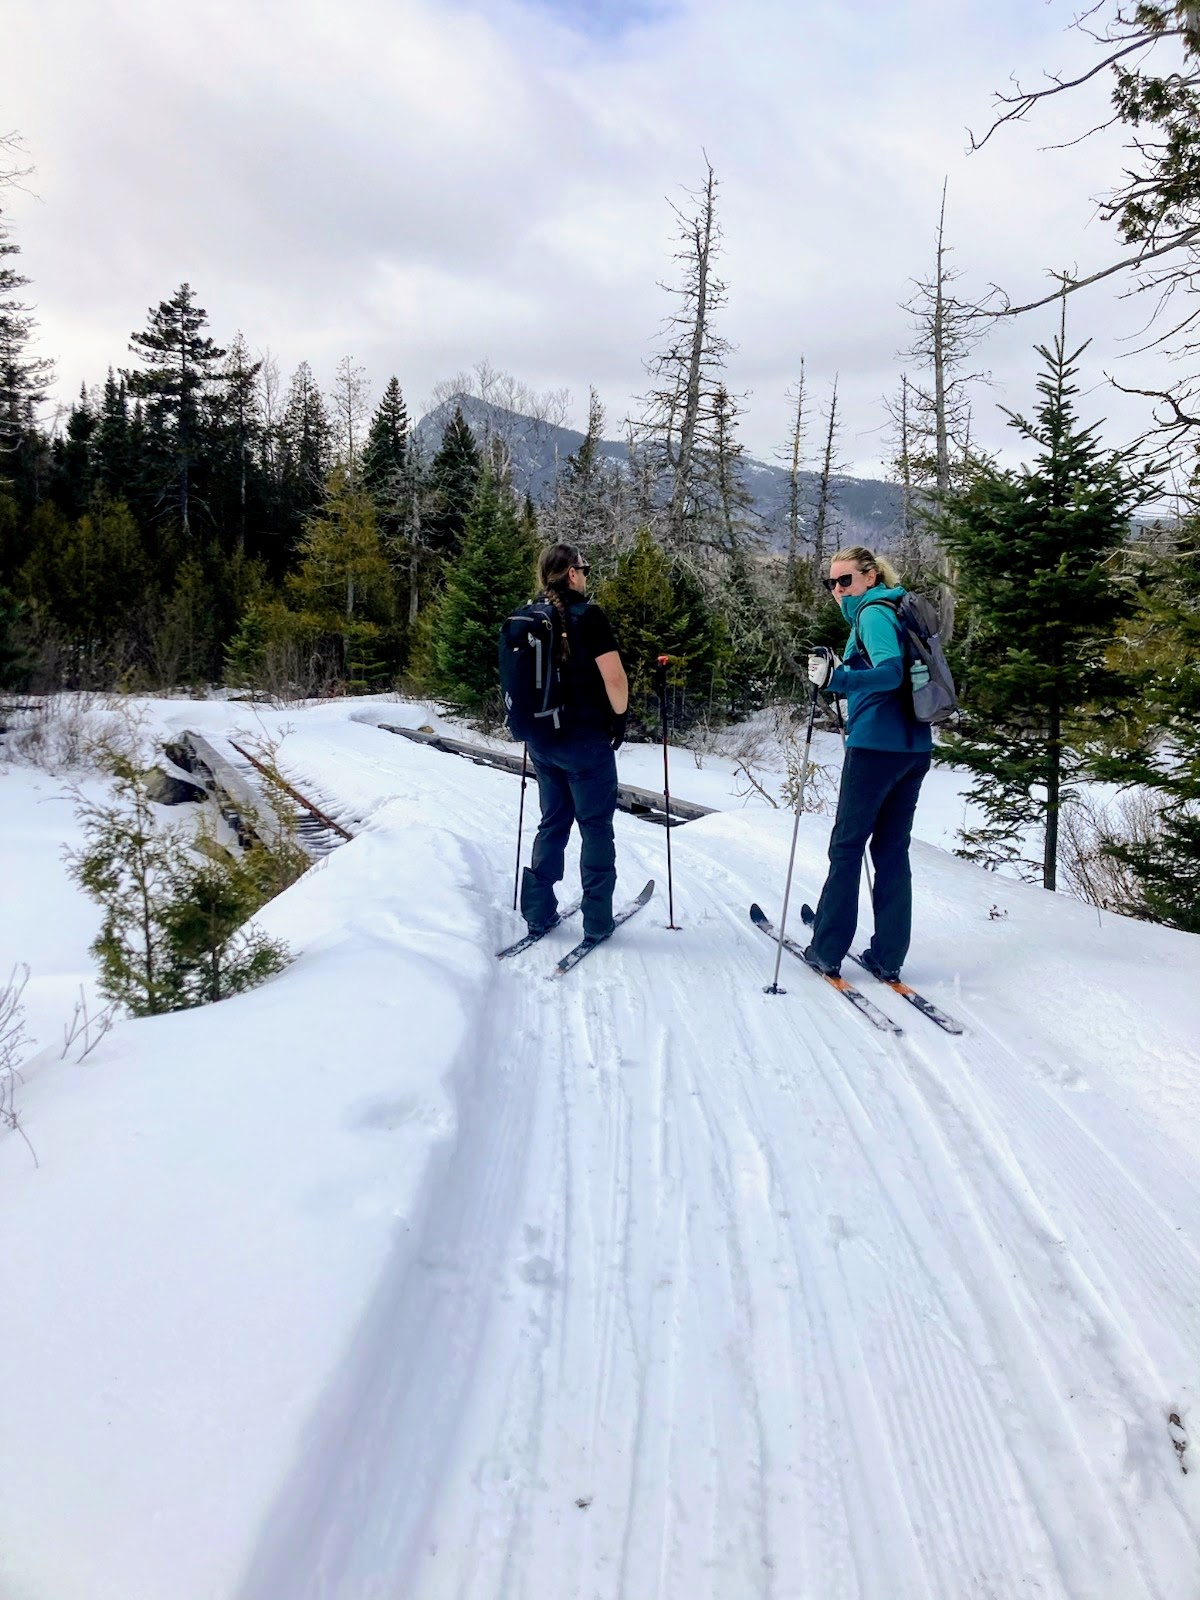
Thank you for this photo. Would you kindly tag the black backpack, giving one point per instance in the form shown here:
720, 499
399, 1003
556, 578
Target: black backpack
531, 678
934, 697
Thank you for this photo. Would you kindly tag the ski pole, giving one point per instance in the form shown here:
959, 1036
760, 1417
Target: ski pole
662, 698
773, 986
520, 820
837, 706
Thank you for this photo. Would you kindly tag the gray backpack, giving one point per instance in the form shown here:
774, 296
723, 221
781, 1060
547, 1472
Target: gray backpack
934, 698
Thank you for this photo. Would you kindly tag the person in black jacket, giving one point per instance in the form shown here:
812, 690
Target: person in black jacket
576, 768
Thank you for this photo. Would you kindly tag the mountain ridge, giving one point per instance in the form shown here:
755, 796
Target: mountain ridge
864, 510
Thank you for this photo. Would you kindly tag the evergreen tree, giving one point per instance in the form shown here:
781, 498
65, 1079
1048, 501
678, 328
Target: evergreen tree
586, 495
492, 577
658, 607
126, 865
210, 951
173, 930
181, 366
186, 644
113, 443
237, 429
90, 578
454, 477
344, 583
1166, 758
14, 660
24, 377
305, 444
74, 468
1033, 551
385, 456
246, 652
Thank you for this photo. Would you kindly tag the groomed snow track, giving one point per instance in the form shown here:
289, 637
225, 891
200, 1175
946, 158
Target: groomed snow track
721, 1294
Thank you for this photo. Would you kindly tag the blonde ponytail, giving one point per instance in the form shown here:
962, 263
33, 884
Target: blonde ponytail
866, 562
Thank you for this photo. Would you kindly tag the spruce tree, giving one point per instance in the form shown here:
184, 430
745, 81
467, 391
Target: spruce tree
237, 434
24, 377
385, 455
14, 661
1166, 758
454, 477
1033, 550
584, 512
493, 576
181, 366
657, 607
73, 459
246, 652
91, 579
113, 443
305, 444
173, 931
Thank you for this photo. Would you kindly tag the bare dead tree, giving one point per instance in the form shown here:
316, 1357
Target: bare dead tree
269, 392
794, 516
514, 414
687, 369
900, 411
351, 403
825, 484
938, 410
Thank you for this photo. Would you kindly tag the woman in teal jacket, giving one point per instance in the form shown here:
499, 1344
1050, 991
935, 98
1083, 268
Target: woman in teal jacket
887, 757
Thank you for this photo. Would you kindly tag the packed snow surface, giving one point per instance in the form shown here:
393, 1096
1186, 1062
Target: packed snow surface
413, 1275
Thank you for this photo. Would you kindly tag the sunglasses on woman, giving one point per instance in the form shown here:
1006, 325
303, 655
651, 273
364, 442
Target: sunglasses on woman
582, 566
842, 581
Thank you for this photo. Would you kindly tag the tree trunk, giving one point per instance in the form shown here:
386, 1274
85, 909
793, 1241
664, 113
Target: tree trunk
1053, 786
794, 483
691, 398
823, 494
946, 595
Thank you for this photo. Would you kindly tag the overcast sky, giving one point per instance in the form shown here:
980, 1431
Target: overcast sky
421, 185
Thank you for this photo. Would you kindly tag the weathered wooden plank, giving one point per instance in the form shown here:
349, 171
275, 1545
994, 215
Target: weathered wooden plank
253, 810
647, 803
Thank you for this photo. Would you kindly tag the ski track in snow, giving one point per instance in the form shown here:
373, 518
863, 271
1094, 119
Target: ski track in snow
752, 1302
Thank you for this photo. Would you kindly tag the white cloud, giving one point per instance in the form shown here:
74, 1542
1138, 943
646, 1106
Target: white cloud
421, 185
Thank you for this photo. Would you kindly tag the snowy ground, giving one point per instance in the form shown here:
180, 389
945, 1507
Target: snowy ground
413, 1275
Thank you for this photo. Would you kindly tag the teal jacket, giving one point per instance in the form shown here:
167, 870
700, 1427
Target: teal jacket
878, 702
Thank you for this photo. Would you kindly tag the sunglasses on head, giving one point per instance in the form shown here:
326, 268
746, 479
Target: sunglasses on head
843, 581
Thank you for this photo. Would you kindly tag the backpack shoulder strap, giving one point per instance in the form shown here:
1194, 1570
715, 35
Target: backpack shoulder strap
892, 605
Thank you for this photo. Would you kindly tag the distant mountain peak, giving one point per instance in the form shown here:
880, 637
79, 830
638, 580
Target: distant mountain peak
865, 509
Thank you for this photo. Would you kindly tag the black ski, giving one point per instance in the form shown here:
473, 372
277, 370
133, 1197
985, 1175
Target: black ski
855, 996
906, 992
586, 946
925, 1007
532, 938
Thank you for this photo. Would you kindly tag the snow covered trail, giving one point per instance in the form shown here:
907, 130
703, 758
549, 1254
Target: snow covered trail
414, 1276
722, 1294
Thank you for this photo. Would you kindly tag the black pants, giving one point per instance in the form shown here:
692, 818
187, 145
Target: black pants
877, 801
577, 782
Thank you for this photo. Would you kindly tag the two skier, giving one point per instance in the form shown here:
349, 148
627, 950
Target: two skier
888, 753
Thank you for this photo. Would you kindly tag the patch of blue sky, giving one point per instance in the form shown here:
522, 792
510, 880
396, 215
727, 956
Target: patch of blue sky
605, 19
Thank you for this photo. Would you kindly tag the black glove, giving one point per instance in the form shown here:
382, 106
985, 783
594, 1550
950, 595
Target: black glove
617, 728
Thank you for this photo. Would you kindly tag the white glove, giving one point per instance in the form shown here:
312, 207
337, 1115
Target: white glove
822, 664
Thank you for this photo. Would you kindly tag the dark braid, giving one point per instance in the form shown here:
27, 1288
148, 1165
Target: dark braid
557, 561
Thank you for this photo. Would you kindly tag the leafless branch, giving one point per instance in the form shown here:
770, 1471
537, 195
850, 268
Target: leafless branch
1024, 100
1068, 284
